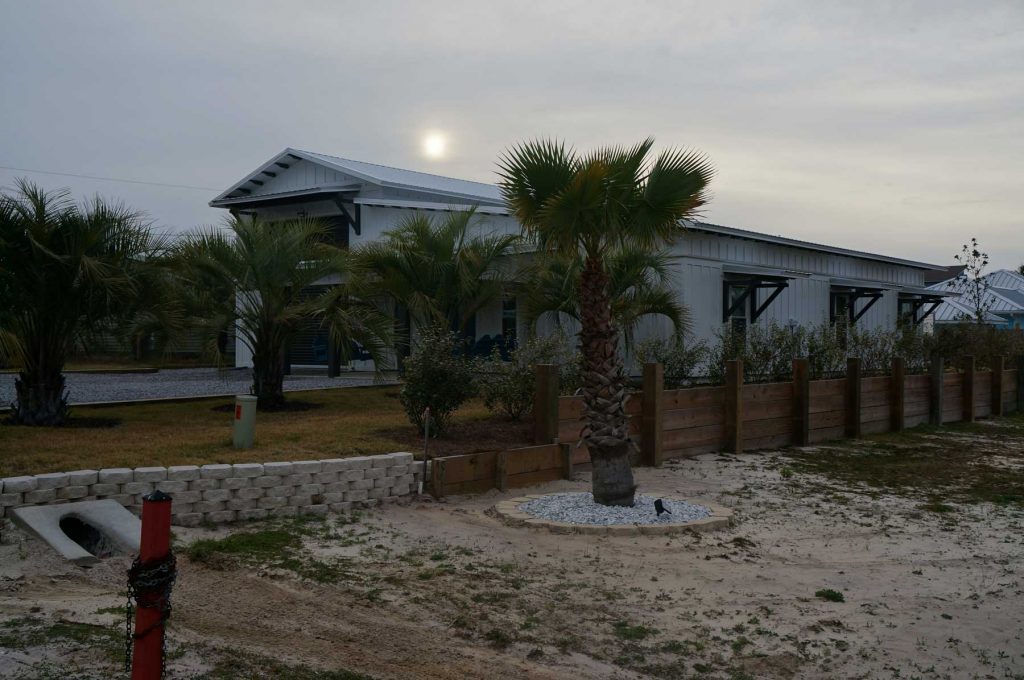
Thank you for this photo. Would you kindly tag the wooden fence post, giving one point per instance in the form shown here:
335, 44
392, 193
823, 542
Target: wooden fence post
897, 400
968, 389
1020, 383
501, 471
545, 404
566, 460
997, 385
935, 390
734, 406
652, 416
853, 378
801, 402
437, 477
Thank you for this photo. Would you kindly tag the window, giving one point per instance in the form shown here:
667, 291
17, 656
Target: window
508, 321
841, 308
737, 308
907, 312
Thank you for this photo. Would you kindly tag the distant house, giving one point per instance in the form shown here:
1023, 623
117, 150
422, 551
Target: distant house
1003, 299
723, 274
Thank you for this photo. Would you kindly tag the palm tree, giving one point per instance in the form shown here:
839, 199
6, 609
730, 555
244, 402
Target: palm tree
272, 269
437, 270
69, 270
588, 207
638, 284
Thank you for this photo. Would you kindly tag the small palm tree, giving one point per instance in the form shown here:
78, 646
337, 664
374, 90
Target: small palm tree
638, 284
262, 274
69, 270
588, 207
439, 271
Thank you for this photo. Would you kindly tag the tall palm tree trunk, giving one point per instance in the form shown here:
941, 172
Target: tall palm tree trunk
40, 398
604, 396
268, 379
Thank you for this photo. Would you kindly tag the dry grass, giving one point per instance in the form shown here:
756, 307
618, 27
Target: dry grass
347, 422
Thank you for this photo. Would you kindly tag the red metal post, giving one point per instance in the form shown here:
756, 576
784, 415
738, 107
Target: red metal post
155, 545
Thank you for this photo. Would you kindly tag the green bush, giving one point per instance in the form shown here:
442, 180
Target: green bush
436, 375
508, 386
682, 361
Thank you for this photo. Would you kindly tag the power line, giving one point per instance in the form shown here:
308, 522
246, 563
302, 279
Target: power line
108, 179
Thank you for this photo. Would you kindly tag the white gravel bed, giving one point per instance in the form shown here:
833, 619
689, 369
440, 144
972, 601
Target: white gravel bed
173, 383
580, 508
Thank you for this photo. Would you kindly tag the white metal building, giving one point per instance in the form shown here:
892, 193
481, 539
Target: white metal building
723, 274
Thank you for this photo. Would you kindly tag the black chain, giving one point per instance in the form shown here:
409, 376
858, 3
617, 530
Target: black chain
149, 585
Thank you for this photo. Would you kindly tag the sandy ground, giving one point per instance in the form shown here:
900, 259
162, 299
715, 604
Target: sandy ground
445, 590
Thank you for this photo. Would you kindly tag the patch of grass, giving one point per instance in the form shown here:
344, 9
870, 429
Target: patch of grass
267, 544
960, 462
498, 638
624, 631
345, 422
26, 632
830, 595
235, 665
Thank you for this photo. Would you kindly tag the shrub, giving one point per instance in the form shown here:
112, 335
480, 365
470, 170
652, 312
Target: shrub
438, 376
681, 361
508, 386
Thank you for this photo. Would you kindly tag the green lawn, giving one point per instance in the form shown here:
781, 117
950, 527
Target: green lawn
345, 422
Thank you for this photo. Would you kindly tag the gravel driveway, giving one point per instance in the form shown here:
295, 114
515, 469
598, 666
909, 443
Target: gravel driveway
178, 382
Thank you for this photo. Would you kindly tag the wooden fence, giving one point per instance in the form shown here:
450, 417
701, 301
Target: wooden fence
738, 417
744, 417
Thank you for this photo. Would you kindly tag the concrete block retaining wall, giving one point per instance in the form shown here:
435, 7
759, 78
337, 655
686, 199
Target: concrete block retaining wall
225, 492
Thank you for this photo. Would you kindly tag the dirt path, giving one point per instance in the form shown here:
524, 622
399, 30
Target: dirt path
445, 590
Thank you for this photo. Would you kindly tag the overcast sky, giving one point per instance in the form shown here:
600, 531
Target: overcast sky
890, 127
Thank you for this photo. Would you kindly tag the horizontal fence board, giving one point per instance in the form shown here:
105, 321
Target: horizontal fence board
536, 477
766, 428
826, 403
877, 384
827, 419
827, 388
533, 458
915, 408
953, 379
917, 382
470, 467
874, 399
693, 417
768, 391
694, 436
870, 414
694, 396
762, 410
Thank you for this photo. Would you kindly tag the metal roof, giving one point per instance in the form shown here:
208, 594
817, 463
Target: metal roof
410, 179
490, 195
380, 175
422, 205
952, 310
806, 245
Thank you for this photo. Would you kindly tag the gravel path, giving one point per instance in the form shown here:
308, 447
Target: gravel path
178, 382
580, 508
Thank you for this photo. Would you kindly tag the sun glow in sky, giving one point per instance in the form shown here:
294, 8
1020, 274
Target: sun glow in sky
435, 145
